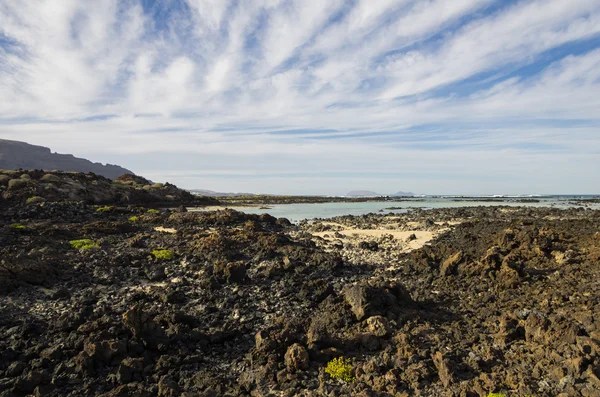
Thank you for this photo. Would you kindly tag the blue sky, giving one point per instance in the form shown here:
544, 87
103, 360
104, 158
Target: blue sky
314, 97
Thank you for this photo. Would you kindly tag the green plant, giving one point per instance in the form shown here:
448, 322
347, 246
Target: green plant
153, 211
84, 244
134, 219
497, 395
16, 184
106, 208
50, 178
17, 226
35, 199
163, 254
340, 368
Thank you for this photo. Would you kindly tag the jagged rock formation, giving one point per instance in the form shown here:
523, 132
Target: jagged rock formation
36, 186
15, 155
501, 302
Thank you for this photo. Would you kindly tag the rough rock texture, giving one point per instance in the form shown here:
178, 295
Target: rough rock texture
20, 155
254, 306
36, 186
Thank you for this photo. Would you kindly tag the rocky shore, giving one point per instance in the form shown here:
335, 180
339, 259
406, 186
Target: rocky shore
37, 186
127, 300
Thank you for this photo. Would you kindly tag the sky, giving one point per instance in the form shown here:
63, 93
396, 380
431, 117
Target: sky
313, 96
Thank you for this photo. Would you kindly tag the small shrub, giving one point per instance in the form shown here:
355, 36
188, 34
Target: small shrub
25, 177
4, 180
84, 244
340, 368
50, 178
16, 184
134, 219
17, 226
106, 208
163, 254
153, 211
35, 200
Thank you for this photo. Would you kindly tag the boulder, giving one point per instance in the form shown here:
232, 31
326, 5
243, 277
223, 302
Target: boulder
296, 358
450, 264
367, 299
378, 326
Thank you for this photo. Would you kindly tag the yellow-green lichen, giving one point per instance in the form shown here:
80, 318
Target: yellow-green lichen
340, 369
163, 254
84, 244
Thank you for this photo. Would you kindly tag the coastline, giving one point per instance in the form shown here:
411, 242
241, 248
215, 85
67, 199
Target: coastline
132, 300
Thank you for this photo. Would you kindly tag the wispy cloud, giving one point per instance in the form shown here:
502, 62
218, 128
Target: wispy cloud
466, 96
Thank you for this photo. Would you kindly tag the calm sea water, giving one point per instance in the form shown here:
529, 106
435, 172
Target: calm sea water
297, 212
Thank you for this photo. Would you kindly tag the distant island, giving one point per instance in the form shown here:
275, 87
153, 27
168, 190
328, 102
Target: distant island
368, 193
211, 193
21, 155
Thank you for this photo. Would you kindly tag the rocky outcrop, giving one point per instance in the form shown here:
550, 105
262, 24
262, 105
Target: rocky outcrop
20, 155
505, 302
36, 186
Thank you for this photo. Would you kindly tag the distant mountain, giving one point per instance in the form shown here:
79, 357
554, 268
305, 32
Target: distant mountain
15, 155
363, 193
204, 192
368, 193
402, 194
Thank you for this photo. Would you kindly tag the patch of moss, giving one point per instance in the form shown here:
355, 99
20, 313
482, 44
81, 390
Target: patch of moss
506, 395
84, 244
134, 219
106, 208
35, 200
163, 254
153, 211
50, 178
16, 184
17, 226
341, 369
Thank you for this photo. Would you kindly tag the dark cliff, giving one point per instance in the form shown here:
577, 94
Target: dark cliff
15, 155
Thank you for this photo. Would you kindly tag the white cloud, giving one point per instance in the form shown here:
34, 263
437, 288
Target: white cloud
206, 89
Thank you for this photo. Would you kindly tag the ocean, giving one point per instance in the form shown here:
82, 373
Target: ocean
298, 212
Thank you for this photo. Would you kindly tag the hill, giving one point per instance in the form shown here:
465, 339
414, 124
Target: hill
15, 155
36, 186
211, 193
368, 193
402, 194
362, 193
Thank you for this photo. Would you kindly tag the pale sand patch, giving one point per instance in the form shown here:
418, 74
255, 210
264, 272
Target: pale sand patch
333, 224
219, 207
165, 229
423, 236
